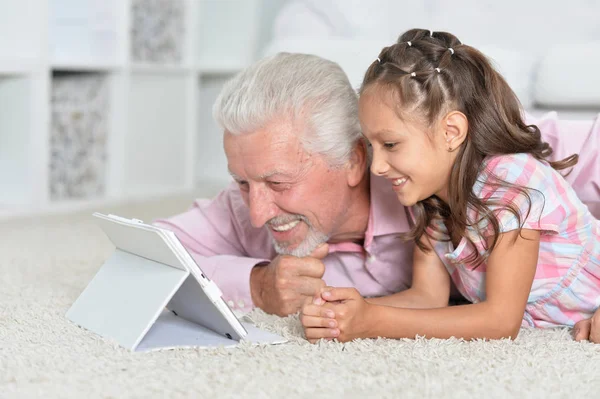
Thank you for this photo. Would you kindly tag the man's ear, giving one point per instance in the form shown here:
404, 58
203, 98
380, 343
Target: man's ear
357, 165
456, 127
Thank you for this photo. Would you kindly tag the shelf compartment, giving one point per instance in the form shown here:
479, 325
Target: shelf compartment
15, 138
158, 31
22, 25
78, 135
84, 34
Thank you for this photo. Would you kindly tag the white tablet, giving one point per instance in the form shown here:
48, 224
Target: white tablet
197, 299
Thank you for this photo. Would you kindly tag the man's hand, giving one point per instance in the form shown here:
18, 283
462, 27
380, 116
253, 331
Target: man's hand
340, 313
282, 286
588, 329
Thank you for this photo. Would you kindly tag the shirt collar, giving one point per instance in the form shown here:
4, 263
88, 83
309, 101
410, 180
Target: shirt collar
387, 215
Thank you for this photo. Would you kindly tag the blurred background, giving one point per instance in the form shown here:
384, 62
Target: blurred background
107, 103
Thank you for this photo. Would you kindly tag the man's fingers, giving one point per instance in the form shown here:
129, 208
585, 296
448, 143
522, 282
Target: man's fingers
581, 330
311, 267
331, 294
307, 286
307, 301
305, 267
312, 321
320, 252
318, 333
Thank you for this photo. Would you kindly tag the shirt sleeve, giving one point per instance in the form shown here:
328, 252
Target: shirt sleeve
220, 238
539, 206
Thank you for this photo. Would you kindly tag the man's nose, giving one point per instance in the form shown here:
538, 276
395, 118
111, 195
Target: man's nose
379, 165
262, 208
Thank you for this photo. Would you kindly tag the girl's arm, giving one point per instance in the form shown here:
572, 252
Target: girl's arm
510, 272
430, 286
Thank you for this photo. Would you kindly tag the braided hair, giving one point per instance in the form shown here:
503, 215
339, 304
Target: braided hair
432, 73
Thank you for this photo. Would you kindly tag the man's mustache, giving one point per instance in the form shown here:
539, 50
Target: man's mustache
283, 219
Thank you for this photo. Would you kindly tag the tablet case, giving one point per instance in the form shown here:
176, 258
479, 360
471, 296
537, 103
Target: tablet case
150, 294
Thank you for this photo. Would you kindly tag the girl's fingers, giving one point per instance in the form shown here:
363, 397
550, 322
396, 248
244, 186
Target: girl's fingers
331, 294
312, 321
318, 333
318, 300
581, 330
317, 311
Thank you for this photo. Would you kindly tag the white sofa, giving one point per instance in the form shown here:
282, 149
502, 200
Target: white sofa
549, 51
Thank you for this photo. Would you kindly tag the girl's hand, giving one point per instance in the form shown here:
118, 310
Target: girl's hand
343, 306
588, 329
318, 322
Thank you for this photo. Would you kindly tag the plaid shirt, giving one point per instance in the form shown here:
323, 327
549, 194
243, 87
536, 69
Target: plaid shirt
566, 287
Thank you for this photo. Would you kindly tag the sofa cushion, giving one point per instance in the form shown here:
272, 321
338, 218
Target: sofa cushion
517, 68
568, 76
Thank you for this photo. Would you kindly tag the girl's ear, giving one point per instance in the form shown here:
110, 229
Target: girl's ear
357, 164
456, 129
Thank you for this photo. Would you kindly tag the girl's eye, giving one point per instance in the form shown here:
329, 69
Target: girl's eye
389, 146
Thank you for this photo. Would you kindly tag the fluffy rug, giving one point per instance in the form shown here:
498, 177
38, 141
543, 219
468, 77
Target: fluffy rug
45, 266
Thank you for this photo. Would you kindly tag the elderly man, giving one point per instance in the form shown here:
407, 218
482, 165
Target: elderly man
304, 210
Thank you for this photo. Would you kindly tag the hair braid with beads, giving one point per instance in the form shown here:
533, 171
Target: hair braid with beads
432, 73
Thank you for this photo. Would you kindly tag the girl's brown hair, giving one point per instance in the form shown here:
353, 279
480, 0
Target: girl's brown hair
432, 73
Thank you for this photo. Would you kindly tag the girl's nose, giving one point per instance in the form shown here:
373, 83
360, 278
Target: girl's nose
379, 166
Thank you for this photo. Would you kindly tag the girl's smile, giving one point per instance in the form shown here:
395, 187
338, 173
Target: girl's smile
398, 183
414, 158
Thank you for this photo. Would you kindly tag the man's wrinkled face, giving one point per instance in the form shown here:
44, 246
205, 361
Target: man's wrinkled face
295, 194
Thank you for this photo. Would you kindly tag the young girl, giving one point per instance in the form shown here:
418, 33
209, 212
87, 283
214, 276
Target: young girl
490, 213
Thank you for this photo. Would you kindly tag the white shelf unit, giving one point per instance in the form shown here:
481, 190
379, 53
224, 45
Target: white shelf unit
103, 101
16, 166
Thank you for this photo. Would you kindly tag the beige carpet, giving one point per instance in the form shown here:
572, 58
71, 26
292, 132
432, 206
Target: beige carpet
45, 264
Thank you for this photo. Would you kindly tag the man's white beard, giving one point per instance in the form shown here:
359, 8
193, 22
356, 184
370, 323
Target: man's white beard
311, 242
313, 238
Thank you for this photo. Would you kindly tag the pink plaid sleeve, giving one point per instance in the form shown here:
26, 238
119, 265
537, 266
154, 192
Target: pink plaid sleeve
540, 207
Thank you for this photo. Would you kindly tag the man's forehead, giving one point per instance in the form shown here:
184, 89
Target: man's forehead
263, 175
268, 163
268, 140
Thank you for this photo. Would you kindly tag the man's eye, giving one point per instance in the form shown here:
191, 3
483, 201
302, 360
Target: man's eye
243, 185
279, 186
389, 146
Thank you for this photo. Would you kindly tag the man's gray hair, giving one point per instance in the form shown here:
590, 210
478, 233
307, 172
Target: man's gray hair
300, 87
